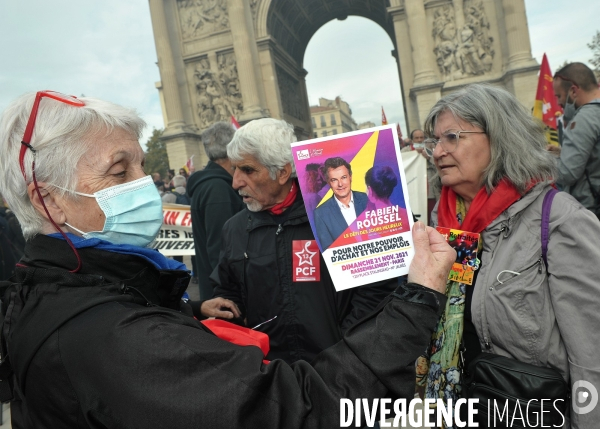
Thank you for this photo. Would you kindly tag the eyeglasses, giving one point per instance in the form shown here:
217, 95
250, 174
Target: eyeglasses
26, 141
448, 141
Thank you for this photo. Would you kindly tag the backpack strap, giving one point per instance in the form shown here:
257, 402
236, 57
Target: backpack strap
595, 194
546, 207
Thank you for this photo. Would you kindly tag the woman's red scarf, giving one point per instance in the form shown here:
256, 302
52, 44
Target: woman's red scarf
277, 209
483, 210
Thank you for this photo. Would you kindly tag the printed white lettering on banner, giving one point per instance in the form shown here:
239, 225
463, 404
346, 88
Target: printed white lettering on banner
177, 217
175, 238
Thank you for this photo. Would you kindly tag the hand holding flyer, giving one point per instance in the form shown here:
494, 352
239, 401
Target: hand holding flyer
354, 190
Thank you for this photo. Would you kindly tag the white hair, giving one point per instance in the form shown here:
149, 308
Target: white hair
268, 140
179, 181
62, 135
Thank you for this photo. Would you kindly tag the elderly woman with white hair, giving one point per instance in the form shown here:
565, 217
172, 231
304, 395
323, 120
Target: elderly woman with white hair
535, 295
95, 334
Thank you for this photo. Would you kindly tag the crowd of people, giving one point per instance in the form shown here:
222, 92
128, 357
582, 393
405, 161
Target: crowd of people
97, 332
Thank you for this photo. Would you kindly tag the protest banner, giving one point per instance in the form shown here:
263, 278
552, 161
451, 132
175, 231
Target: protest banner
415, 170
371, 240
175, 237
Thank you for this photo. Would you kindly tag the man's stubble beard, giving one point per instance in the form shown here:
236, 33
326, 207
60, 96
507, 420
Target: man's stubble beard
254, 206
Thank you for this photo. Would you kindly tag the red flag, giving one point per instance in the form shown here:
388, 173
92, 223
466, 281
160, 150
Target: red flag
189, 165
234, 123
546, 108
399, 131
383, 118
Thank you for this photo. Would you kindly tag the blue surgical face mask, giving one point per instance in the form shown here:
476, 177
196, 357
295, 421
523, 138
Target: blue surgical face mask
133, 213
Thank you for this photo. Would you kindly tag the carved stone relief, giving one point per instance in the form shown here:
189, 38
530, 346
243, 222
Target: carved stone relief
199, 17
464, 52
290, 94
444, 38
477, 21
253, 7
218, 93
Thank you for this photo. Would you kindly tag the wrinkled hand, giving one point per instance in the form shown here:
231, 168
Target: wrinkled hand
212, 308
554, 150
433, 258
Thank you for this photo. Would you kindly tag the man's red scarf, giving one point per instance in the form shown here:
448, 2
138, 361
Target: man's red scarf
483, 210
277, 209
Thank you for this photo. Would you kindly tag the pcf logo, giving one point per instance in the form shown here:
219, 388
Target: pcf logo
305, 261
303, 154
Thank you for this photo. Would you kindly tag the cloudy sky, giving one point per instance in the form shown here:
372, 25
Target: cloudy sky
106, 49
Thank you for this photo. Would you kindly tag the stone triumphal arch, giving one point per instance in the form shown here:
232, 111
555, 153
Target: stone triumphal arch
219, 58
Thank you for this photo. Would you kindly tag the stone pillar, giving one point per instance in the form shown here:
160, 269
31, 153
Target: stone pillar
166, 66
404, 60
246, 55
273, 102
426, 98
419, 39
517, 34
161, 97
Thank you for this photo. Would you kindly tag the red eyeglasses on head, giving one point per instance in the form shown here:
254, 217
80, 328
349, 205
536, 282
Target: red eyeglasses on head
26, 144
26, 141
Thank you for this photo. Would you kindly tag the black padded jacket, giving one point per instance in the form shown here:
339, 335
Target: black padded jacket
106, 348
256, 272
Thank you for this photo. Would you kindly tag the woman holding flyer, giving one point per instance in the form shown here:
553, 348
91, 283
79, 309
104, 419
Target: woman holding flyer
523, 302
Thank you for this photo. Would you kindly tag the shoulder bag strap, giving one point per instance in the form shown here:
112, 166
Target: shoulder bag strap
595, 194
546, 207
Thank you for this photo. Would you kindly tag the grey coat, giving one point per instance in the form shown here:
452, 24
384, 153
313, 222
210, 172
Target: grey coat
580, 153
546, 318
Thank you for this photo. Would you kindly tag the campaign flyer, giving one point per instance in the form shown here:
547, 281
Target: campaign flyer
356, 198
465, 243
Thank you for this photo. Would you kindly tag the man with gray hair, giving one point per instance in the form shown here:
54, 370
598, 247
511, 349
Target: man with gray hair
213, 202
270, 265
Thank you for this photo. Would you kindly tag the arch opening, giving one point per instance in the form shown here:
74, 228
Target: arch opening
353, 59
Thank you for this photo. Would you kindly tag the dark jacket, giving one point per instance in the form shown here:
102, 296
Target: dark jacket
329, 220
255, 272
98, 350
15, 234
579, 162
11, 243
214, 201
